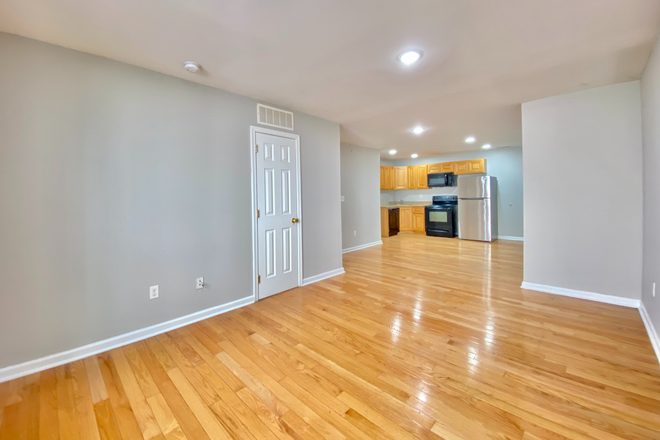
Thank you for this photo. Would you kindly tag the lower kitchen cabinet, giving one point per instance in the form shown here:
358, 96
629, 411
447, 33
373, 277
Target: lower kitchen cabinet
406, 219
419, 219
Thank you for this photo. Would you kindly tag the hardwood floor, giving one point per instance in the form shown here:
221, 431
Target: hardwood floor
422, 338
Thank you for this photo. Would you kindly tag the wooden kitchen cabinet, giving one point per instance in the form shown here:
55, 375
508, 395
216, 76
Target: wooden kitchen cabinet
445, 167
419, 219
448, 167
412, 177
417, 177
400, 178
461, 167
422, 176
384, 222
476, 166
406, 219
386, 177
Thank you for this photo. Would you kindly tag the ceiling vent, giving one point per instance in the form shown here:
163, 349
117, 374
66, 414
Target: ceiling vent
274, 117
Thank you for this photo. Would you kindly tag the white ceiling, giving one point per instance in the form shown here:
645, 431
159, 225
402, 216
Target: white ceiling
337, 59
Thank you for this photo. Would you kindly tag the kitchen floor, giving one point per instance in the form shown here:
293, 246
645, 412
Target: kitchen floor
422, 338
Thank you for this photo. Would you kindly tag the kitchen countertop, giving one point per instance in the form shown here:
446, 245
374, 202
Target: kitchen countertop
404, 204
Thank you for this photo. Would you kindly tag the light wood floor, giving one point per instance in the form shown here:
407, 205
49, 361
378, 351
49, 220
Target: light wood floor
423, 337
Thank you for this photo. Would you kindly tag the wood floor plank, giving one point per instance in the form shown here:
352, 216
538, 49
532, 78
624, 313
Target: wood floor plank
211, 425
121, 407
106, 421
83, 402
190, 425
143, 414
66, 411
168, 423
49, 427
96, 384
421, 338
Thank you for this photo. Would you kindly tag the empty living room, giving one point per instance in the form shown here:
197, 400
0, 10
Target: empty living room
351, 220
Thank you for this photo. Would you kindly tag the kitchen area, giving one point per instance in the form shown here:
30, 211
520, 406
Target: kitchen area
463, 201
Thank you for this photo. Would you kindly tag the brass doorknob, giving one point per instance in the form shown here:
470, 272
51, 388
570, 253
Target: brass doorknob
294, 220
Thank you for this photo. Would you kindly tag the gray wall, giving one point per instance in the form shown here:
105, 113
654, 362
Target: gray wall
115, 178
582, 167
651, 136
360, 187
504, 163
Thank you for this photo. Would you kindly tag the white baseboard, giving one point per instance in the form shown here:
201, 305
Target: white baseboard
650, 329
362, 246
57, 359
507, 237
609, 299
323, 276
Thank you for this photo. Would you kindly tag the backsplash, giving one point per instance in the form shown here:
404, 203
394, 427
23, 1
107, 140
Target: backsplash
416, 195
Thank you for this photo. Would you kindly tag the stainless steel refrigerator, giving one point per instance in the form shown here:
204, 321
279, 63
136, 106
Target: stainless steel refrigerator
477, 208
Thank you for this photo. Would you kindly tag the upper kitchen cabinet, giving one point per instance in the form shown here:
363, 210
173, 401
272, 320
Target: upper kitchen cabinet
476, 166
400, 178
417, 176
386, 177
445, 167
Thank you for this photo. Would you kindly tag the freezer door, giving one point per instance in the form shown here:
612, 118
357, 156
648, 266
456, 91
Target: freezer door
475, 220
473, 187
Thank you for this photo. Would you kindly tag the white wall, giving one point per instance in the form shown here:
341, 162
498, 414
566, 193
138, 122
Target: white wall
651, 136
360, 187
115, 178
504, 163
582, 172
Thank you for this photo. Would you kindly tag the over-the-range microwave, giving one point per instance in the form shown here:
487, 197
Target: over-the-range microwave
441, 179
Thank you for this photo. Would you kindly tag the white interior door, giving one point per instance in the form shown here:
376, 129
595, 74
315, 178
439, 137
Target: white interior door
278, 226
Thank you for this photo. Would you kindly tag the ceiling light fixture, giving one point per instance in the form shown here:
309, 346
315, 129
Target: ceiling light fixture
486, 146
414, 156
418, 130
410, 56
470, 140
392, 151
192, 66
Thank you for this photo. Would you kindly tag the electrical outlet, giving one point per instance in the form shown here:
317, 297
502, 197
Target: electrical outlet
199, 283
153, 292
354, 233
653, 290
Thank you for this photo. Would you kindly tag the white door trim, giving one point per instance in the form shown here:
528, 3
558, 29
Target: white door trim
253, 179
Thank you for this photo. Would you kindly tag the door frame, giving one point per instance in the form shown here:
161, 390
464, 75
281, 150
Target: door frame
253, 179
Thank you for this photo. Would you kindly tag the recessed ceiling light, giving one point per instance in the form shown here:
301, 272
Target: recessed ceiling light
410, 57
418, 130
470, 140
486, 146
392, 151
414, 156
192, 66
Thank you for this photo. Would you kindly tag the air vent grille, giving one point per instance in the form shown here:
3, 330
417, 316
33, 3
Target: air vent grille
274, 117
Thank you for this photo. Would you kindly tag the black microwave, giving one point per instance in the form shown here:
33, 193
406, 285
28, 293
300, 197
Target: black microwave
441, 179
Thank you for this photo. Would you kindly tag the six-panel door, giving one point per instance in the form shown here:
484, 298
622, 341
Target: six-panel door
277, 202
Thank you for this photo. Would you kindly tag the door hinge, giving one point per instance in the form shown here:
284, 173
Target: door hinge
259, 279
258, 214
256, 148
